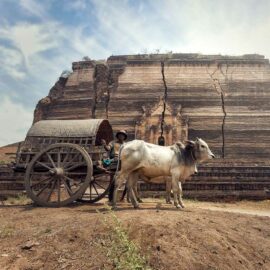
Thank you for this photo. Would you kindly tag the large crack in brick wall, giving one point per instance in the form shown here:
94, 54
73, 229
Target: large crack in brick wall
105, 82
101, 90
113, 82
165, 95
219, 89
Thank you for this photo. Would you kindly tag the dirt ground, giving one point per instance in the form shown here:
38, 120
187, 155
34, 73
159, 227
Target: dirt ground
203, 236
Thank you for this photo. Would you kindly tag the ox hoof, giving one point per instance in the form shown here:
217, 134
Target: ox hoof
168, 202
182, 205
178, 206
139, 200
136, 206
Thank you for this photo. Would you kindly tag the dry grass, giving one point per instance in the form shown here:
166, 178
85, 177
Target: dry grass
6, 231
21, 199
123, 253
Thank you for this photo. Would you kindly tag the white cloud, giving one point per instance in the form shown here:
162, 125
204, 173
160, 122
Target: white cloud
31, 38
15, 120
77, 5
209, 27
86, 45
11, 61
213, 27
33, 7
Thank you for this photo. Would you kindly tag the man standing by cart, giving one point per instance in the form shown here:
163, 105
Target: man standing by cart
113, 148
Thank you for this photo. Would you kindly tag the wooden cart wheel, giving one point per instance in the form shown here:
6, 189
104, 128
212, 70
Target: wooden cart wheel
97, 189
58, 175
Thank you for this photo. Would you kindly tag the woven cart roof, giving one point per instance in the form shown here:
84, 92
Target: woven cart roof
72, 128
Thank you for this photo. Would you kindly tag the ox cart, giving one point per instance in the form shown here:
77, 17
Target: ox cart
62, 161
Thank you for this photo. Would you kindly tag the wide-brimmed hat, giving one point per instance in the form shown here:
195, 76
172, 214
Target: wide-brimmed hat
121, 132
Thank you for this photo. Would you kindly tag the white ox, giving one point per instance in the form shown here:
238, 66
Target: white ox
141, 160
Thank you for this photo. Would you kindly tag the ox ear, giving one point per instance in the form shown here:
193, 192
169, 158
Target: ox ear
197, 139
190, 143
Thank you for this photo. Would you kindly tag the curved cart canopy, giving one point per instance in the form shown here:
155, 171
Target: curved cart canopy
59, 158
95, 128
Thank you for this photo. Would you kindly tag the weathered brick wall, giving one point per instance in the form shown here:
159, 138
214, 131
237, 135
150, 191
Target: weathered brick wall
11, 183
225, 99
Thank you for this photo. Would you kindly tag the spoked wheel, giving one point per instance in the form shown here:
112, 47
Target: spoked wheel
58, 175
97, 189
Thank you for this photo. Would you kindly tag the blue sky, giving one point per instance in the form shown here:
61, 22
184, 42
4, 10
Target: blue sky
40, 39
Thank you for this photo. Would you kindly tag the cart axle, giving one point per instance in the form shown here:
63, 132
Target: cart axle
57, 171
